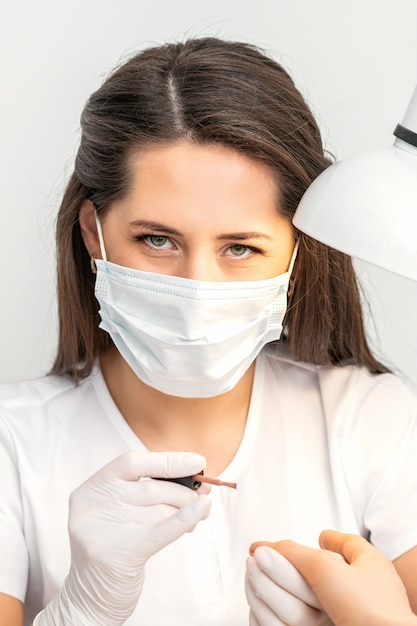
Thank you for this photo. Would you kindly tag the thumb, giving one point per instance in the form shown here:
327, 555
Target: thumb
351, 547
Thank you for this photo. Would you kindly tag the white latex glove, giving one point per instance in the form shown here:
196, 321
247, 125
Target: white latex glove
116, 522
277, 593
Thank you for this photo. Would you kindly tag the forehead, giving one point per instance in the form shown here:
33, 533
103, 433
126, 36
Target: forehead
195, 174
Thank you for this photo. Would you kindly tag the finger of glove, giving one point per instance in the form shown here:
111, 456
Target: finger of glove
253, 620
284, 574
289, 608
260, 613
148, 492
144, 516
133, 465
182, 521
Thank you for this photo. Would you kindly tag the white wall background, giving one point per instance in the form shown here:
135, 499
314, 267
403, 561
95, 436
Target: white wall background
355, 60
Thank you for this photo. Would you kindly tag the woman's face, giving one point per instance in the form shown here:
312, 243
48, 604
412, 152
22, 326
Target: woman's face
201, 212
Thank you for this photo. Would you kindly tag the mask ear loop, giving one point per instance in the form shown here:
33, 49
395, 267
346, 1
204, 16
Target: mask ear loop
100, 237
290, 269
293, 258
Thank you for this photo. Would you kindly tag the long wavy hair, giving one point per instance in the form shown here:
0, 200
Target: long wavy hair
207, 91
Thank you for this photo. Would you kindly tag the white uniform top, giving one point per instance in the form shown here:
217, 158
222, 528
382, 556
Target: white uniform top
324, 447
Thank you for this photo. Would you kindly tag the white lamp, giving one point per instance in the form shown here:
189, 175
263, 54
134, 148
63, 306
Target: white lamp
366, 205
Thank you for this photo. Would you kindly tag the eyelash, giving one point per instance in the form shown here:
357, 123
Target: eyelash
143, 238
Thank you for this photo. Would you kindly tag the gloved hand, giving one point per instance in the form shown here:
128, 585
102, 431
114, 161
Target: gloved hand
116, 522
277, 594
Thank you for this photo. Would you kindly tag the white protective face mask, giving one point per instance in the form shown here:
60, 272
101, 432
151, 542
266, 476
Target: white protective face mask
188, 338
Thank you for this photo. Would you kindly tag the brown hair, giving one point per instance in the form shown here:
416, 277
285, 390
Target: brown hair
207, 91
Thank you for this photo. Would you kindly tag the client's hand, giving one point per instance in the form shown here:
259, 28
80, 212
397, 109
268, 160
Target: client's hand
359, 588
116, 522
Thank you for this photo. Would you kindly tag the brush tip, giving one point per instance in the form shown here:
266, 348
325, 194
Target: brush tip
214, 481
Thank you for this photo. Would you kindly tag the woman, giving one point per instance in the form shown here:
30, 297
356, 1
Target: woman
176, 254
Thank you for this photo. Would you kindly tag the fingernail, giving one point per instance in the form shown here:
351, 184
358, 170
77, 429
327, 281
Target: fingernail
257, 544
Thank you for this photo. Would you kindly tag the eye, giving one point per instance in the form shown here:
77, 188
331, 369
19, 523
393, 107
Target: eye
239, 250
159, 241
156, 241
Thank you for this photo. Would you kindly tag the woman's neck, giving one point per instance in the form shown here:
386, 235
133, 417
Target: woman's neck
211, 426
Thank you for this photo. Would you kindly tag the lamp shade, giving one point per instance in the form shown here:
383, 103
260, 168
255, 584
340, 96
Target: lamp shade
366, 205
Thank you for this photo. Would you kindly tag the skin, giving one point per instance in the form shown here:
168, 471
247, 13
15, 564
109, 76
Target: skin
360, 589
11, 611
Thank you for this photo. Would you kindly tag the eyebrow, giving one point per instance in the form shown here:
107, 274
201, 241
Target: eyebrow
156, 226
